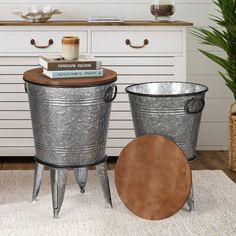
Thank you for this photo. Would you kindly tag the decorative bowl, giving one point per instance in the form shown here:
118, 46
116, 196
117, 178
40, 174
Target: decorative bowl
37, 14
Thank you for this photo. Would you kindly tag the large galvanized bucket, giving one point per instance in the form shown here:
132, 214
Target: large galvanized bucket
70, 124
171, 109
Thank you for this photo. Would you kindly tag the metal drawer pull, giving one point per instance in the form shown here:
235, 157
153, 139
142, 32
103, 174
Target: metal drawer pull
145, 42
50, 42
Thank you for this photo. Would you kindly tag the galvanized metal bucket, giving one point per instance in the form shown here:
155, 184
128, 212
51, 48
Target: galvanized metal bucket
70, 124
171, 109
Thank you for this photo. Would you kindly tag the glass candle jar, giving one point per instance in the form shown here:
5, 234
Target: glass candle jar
70, 47
163, 9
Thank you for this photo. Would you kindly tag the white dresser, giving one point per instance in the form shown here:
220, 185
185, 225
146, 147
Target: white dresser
139, 51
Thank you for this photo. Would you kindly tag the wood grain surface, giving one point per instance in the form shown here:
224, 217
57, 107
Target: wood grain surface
85, 23
35, 76
153, 177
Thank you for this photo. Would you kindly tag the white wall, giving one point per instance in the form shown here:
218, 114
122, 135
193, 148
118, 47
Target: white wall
213, 132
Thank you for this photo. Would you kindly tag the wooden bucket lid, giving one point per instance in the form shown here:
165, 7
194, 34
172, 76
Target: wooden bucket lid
153, 177
35, 76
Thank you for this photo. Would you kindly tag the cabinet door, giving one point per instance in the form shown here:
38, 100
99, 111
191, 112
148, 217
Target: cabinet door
16, 136
19, 52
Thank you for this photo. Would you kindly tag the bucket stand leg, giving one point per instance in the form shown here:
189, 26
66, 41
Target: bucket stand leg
37, 179
81, 175
58, 185
102, 173
190, 200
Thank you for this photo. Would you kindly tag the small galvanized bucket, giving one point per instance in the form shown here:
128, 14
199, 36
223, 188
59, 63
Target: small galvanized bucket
171, 109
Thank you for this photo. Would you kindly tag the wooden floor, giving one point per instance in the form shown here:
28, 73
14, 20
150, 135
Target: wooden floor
206, 160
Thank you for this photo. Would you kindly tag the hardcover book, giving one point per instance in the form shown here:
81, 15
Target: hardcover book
57, 63
73, 73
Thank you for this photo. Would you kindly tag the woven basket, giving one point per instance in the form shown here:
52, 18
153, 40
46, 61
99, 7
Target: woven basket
232, 138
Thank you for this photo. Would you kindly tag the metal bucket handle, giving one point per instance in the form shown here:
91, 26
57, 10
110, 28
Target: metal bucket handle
108, 96
186, 106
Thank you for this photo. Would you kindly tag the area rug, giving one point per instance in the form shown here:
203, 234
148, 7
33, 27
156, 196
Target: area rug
85, 214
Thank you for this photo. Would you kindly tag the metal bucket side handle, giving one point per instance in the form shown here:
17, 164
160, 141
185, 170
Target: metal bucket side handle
187, 109
109, 97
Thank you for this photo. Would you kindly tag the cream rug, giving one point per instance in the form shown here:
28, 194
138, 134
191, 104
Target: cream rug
85, 214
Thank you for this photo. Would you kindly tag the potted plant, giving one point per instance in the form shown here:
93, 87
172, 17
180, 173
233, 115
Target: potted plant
224, 38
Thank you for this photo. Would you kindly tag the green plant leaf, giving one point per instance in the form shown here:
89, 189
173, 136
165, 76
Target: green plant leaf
213, 38
220, 61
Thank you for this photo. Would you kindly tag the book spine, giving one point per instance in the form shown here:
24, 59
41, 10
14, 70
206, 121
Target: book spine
73, 74
86, 65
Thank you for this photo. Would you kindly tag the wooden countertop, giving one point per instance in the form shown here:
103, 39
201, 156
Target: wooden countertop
85, 23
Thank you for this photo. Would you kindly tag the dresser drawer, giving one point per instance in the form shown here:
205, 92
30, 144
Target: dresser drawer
134, 41
20, 41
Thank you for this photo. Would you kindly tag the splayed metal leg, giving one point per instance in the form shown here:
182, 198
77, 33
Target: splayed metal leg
190, 200
58, 185
102, 172
81, 175
37, 179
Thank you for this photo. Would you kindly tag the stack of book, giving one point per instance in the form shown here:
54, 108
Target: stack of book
56, 67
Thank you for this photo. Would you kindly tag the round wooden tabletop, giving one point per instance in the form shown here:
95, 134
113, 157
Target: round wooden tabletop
153, 177
35, 76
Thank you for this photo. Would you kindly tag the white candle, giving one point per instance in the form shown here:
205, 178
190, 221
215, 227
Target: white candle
70, 47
